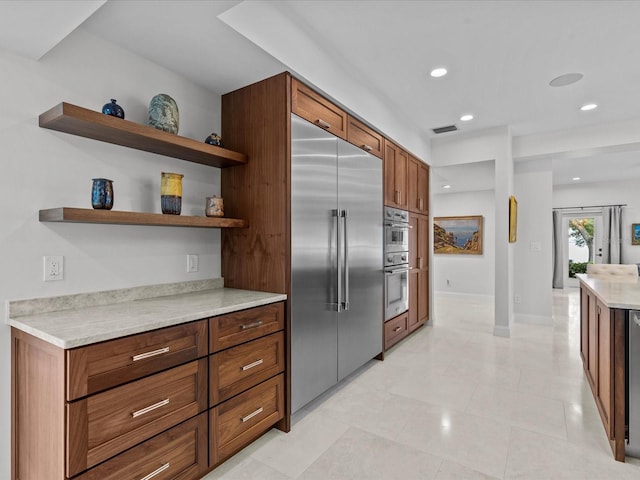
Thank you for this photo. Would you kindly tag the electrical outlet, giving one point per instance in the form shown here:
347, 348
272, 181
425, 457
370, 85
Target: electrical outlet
517, 299
448, 282
53, 268
192, 263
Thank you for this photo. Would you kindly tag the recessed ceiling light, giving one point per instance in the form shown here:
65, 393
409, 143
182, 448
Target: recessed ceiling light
566, 79
466, 117
438, 72
446, 186
588, 106
575, 179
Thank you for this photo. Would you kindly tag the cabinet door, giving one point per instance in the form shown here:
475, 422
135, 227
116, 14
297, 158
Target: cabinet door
318, 110
413, 184
584, 326
414, 288
413, 241
395, 175
592, 327
423, 242
423, 189
423, 296
604, 366
364, 137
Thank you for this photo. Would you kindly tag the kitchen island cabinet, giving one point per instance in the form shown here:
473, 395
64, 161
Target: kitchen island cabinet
123, 390
604, 306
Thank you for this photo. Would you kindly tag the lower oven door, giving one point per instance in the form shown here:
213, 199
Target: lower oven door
396, 291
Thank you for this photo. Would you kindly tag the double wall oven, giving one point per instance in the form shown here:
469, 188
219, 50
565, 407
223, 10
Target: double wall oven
396, 262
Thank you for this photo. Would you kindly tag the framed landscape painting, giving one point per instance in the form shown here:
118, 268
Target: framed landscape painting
458, 235
635, 234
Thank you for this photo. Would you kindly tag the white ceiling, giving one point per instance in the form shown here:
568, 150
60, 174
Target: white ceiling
501, 55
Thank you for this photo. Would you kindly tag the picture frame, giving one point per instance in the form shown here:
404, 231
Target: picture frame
635, 234
513, 219
458, 235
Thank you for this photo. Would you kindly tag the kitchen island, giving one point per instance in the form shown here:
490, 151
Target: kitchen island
605, 302
170, 379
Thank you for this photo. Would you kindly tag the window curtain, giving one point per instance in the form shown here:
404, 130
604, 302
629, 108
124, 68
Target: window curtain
558, 236
611, 234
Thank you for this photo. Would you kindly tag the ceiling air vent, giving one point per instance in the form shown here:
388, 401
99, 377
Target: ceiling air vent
448, 128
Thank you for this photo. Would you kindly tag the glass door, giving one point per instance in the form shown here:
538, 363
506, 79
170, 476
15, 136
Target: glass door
583, 244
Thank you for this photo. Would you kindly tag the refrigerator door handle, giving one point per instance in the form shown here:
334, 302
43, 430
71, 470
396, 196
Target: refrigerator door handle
335, 213
345, 303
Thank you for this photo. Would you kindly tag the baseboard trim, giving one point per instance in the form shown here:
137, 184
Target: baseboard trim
533, 319
500, 331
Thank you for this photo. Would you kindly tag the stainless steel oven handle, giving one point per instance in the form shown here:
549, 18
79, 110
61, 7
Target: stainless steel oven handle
396, 270
398, 225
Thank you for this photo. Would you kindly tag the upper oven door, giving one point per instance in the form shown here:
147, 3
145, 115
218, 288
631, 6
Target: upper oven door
396, 238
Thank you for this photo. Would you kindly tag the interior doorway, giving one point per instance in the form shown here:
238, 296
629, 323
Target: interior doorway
582, 245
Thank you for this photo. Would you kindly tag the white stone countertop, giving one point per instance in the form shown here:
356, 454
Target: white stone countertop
622, 292
83, 326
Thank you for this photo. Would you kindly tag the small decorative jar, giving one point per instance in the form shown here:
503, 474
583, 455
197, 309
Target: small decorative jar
214, 207
102, 194
171, 193
214, 139
113, 109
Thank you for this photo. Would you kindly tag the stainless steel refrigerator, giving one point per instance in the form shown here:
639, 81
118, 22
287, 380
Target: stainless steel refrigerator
336, 260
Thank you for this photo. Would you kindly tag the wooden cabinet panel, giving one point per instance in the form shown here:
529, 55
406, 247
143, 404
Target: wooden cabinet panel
412, 184
96, 367
423, 296
418, 186
234, 328
423, 242
239, 368
240, 420
584, 325
364, 137
395, 330
180, 453
105, 424
592, 363
396, 167
318, 110
413, 321
605, 363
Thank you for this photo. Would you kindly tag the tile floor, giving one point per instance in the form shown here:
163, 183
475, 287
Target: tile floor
452, 402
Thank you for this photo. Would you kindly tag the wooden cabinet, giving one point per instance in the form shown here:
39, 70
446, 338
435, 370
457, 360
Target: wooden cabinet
396, 164
136, 407
602, 349
313, 107
418, 186
419, 273
395, 330
364, 137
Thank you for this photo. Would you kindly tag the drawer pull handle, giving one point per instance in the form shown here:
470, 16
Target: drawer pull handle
366, 148
251, 415
397, 329
142, 356
156, 472
322, 124
254, 364
251, 325
150, 408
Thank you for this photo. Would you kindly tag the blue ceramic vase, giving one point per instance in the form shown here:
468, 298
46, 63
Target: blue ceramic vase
113, 109
102, 194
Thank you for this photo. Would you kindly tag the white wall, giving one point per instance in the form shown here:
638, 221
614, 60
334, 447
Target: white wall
533, 268
43, 169
469, 274
610, 193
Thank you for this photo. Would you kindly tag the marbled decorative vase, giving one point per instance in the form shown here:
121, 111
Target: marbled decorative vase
102, 194
214, 139
171, 193
214, 207
113, 109
163, 113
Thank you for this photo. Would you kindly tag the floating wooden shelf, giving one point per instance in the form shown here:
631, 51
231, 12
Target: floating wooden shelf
85, 215
75, 120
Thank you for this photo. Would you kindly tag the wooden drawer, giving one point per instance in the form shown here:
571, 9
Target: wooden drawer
237, 422
364, 137
96, 367
234, 370
395, 330
317, 109
177, 454
234, 328
105, 424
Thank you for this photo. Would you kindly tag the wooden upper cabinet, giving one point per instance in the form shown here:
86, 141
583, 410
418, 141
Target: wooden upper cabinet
364, 137
418, 188
318, 110
396, 163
